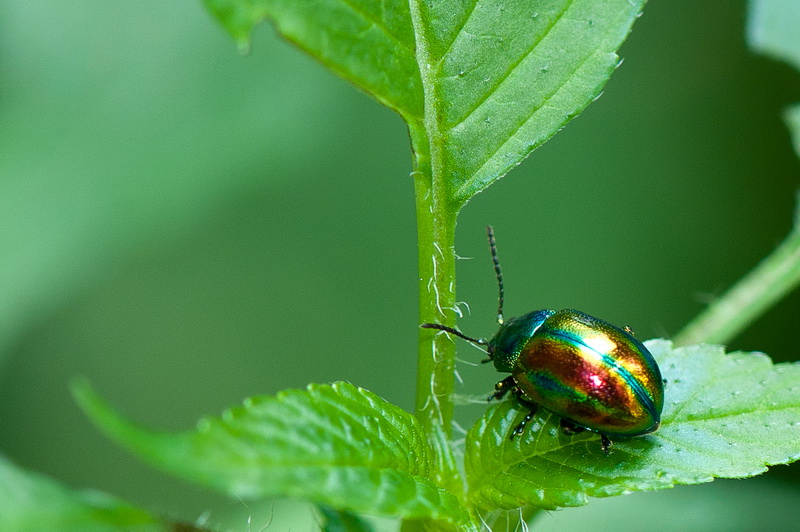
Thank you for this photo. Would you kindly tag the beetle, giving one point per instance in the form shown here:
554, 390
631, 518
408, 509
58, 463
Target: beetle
593, 375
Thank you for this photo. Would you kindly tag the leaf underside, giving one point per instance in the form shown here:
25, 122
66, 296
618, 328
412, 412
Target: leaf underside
484, 82
336, 445
726, 416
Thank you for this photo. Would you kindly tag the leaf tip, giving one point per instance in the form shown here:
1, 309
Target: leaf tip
99, 412
237, 19
243, 45
92, 405
82, 392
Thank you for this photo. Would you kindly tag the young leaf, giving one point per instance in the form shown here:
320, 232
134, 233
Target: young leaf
793, 121
480, 83
772, 29
30, 502
336, 445
726, 415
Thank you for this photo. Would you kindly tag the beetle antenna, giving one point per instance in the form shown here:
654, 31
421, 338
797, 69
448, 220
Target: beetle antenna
497, 271
456, 332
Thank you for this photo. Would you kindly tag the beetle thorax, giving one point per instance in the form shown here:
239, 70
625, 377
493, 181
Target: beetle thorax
507, 344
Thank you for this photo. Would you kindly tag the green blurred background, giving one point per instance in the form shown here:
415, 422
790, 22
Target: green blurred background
187, 227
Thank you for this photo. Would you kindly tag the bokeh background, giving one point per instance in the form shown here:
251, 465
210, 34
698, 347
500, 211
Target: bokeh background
186, 226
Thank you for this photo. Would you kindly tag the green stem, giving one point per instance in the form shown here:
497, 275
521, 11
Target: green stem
436, 222
747, 300
435, 376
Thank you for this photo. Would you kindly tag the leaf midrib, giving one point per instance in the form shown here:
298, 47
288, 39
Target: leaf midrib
430, 119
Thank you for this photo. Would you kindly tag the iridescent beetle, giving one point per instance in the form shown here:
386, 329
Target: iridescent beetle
591, 374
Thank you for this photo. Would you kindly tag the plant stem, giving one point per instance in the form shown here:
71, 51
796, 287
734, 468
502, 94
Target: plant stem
435, 377
435, 233
436, 226
777, 275
436, 221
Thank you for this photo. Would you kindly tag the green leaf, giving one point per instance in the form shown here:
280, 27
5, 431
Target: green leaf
772, 29
480, 83
30, 502
726, 416
504, 76
369, 43
336, 445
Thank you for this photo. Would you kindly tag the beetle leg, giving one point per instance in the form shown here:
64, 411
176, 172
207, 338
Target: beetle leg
532, 408
570, 429
520, 428
503, 387
520, 397
628, 330
606, 444
510, 385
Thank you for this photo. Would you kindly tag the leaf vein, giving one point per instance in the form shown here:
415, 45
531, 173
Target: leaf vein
457, 33
698, 390
687, 444
512, 67
460, 191
381, 25
756, 410
397, 445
